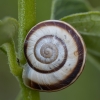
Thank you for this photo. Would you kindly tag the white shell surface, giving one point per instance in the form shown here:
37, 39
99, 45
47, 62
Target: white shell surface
66, 37
62, 39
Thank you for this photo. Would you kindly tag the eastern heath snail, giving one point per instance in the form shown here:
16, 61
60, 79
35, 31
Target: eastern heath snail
55, 53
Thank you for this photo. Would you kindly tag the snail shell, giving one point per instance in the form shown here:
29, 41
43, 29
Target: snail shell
55, 53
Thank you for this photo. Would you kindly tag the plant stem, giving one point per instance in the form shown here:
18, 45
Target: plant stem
26, 19
27, 93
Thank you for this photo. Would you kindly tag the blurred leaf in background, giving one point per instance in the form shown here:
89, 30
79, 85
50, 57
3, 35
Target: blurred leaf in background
8, 84
63, 8
8, 29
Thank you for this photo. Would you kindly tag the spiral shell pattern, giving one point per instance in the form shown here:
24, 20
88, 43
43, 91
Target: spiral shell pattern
55, 53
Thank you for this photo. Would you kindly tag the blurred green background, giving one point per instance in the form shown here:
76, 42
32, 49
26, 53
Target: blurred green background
87, 87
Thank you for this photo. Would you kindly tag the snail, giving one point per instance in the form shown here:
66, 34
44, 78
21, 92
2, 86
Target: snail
55, 54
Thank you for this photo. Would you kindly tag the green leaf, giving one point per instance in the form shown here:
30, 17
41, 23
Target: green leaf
88, 25
8, 29
93, 60
9, 49
61, 8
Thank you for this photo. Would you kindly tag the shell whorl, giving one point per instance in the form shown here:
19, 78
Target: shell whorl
55, 53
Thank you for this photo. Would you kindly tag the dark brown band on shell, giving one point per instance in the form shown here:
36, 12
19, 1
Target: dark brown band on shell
74, 73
